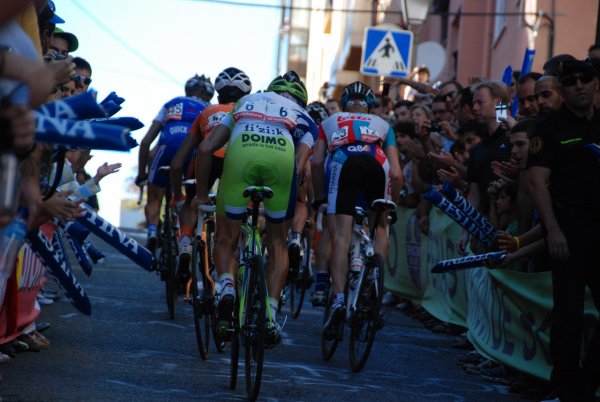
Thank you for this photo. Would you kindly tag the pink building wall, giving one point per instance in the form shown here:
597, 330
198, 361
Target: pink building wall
471, 38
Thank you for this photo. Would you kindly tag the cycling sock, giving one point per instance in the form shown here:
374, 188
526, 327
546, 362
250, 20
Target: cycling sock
273, 304
187, 231
321, 281
152, 228
227, 286
339, 299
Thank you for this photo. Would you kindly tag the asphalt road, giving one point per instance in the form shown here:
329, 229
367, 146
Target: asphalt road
128, 350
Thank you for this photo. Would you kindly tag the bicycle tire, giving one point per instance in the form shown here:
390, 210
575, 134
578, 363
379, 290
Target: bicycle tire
235, 348
220, 345
328, 347
253, 331
366, 320
298, 290
168, 251
202, 312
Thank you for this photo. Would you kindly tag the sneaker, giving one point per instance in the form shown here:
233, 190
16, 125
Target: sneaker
183, 268
152, 242
44, 300
272, 334
224, 319
95, 254
318, 298
332, 329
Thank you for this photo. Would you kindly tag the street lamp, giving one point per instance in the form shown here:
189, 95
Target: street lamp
414, 11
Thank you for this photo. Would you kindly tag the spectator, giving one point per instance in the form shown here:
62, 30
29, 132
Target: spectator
493, 147
83, 71
525, 94
547, 94
402, 111
565, 181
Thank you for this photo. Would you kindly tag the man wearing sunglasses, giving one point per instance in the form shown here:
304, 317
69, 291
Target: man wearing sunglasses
565, 177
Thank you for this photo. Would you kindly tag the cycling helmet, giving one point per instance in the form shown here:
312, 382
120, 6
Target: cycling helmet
290, 83
233, 78
201, 83
317, 111
358, 90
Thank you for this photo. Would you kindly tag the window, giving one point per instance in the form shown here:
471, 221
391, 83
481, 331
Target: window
499, 20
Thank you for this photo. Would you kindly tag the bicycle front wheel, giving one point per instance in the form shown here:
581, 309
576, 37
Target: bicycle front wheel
366, 320
202, 305
253, 330
303, 281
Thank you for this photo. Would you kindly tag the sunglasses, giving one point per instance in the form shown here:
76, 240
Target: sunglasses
584, 78
356, 102
450, 95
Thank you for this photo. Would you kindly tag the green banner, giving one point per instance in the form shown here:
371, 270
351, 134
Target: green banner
507, 313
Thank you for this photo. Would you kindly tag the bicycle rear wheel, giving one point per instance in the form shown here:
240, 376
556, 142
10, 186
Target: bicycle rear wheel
169, 258
220, 345
301, 283
328, 347
200, 302
253, 330
366, 319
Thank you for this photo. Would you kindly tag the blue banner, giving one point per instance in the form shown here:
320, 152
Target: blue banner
113, 236
77, 107
54, 259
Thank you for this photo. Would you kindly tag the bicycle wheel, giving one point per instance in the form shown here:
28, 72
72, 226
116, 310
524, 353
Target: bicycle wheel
253, 330
299, 285
235, 348
366, 319
169, 255
328, 347
200, 301
220, 345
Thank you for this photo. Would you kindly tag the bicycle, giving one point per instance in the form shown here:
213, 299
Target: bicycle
363, 304
295, 288
202, 269
251, 305
168, 249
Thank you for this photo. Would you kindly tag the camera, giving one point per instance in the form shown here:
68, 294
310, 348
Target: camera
435, 128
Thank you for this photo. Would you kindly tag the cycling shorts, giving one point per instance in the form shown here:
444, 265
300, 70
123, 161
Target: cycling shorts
163, 157
354, 176
216, 170
258, 160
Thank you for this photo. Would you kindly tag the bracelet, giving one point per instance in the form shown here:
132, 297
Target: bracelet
518, 242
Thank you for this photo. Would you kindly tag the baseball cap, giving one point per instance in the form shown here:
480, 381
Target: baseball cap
567, 68
69, 37
55, 19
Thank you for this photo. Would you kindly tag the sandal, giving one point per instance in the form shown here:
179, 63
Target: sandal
40, 340
32, 346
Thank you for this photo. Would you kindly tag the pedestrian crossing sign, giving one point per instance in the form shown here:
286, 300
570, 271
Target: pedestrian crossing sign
386, 51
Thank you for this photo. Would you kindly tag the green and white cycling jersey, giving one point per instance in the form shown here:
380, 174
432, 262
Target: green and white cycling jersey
265, 129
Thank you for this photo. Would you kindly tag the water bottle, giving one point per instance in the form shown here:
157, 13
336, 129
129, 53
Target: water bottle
12, 238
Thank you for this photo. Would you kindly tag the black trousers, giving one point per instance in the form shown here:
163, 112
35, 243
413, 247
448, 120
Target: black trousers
576, 378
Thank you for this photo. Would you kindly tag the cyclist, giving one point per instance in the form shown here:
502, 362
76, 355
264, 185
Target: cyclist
318, 112
231, 84
172, 122
364, 161
270, 136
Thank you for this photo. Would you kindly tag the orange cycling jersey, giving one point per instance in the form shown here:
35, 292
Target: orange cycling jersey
209, 119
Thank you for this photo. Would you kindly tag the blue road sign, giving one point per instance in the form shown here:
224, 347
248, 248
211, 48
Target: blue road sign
387, 51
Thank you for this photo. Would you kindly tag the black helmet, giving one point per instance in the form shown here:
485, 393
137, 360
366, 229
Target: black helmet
290, 83
318, 111
358, 90
202, 83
